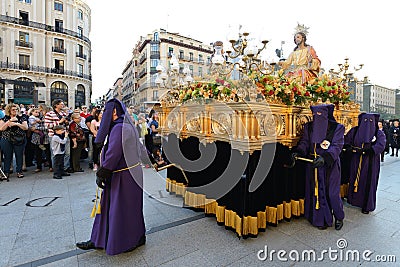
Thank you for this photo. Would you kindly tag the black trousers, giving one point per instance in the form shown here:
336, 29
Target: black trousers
58, 164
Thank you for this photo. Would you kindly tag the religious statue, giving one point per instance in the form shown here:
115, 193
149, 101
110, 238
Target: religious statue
303, 62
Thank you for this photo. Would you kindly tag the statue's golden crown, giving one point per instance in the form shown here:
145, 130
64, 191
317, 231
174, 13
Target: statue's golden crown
301, 28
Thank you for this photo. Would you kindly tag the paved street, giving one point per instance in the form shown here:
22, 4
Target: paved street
42, 219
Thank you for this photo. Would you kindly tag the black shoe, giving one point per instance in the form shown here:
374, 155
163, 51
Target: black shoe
141, 242
322, 227
57, 177
65, 174
80, 170
86, 245
392, 155
338, 224
90, 165
364, 211
69, 170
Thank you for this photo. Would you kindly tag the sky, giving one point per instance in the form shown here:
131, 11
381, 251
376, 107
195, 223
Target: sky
363, 31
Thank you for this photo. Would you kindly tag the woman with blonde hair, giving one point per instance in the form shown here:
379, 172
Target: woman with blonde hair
13, 127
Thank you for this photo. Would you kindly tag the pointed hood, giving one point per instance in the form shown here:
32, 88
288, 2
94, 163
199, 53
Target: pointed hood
107, 120
320, 122
367, 127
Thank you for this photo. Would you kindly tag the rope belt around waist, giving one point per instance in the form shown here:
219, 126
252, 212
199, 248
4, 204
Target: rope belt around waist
127, 168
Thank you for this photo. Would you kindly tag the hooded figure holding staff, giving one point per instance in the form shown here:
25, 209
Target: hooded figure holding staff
120, 225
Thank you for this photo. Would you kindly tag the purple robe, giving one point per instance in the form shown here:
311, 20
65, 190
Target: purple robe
328, 176
358, 136
120, 225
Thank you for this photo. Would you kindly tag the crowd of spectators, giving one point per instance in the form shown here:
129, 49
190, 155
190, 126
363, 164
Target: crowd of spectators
27, 133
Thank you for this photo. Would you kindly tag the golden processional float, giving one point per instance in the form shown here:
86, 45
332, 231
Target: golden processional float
230, 140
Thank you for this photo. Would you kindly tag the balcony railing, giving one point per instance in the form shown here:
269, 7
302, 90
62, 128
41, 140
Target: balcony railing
59, 50
16, 66
142, 73
142, 58
23, 44
81, 55
37, 25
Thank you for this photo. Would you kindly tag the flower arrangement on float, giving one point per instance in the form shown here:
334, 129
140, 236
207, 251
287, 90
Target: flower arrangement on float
276, 87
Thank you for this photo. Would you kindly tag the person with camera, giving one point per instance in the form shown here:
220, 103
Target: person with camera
57, 116
13, 127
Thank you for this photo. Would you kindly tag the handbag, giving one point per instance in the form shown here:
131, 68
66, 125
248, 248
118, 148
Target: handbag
17, 138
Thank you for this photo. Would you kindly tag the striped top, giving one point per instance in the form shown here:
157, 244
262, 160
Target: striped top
52, 119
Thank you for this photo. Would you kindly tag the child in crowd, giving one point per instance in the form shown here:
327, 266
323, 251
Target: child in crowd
58, 146
158, 157
33, 121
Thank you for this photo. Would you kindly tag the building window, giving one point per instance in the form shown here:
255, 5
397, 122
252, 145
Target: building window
59, 44
155, 95
181, 54
191, 70
26, 1
80, 14
24, 62
170, 51
191, 56
24, 37
59, 25
80, 69
80, 49
201, 59
59, 66
200, 72
24, 18
80, 32
156, 38
58, 6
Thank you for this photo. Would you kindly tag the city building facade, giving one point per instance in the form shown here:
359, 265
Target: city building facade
45, 52
157, 47
117, 89
375, 98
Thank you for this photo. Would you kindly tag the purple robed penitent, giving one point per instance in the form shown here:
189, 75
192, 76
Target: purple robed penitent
323, 127
120, 225
365, 166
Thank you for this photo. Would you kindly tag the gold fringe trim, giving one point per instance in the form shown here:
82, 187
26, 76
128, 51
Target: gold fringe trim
180, 189
272, 215
168, 184
279, 214
220, 214
233, 221
344, 190
210, 206
261, 220
194, 200
301, 206
295, 208
250, 225
287, 210
242, 226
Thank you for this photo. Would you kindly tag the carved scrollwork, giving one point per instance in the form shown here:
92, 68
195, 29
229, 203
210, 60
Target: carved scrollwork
273, 125
222, 124
193, 122
172, 121
300, 121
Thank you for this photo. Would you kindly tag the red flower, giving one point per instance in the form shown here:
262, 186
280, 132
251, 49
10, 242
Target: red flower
271, 92
307, 93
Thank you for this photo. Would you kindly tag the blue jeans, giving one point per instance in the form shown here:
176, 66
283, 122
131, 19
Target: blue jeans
8, 150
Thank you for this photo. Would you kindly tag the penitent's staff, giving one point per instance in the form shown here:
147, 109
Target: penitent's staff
169, 166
